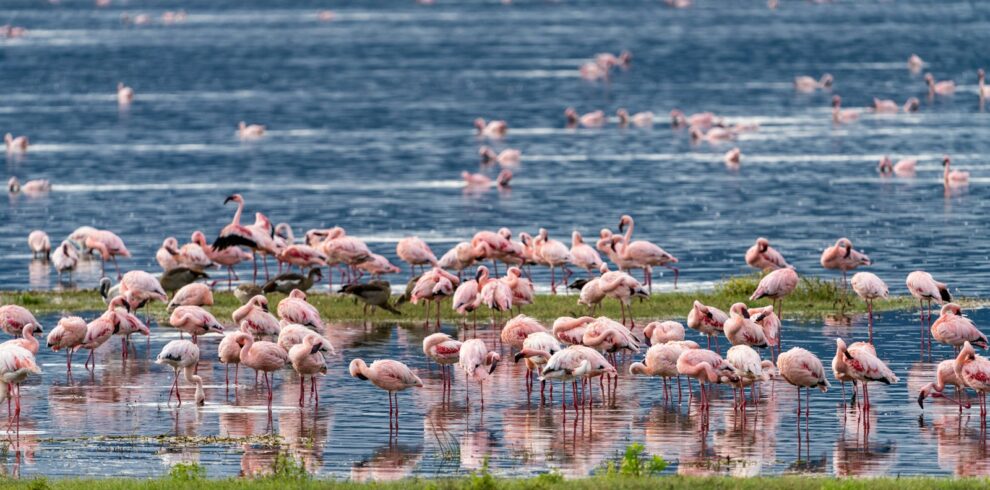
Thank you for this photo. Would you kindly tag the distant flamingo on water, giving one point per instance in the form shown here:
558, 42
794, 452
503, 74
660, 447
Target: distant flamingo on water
492, 129
869, 287
250, 131
125, 94
953, 178
903, 168
840, 115
594, 119
805, 83
16, 145
982, 89
943, 87
391, 376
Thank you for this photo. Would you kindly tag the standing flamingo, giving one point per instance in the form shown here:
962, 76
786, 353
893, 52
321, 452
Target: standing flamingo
40, 244
707, 367
762, 256
445, 351
841, 256
974, 371
621, 286
263, 356
646, 253
235, 234
661, 361
805, 83
139, 288
953, 329
308, 359
16, 145
942, 87
740, 329
923, 286
770, 323
945, 374
253, 318
182, 354
109, 246
433, 286
65, 258
840, 115
391, 376
708, 321
863, 365
68, 335
537, 349
869, 287
466, 297
415, 252
295, 309
478, 364
14, 318
803, 370
662, 332
495, 294
228, 257
229, 352
748, 366
195, 294
125, 94
571, 330
16, 364
554, 254
27, 340
523, 291
842, 371
584, 255
195, 321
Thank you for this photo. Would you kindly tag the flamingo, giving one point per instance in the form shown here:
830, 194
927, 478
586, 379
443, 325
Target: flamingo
27, 340
643, 252
841, 369
414, 251
554, 254
708, 321
295, 309
623, 287
253, 318
707, 367
14, 318
842, 256
802, 369
983, 90
740, 329
974, 371
923, 286
98, 332
65, 258
776, 285
302, 256
479, 181
292, 334
748, 366
953, 329
951, 177
903, 168
195, 294
229, 352
263, 356
885, 106
912, 105
125, 94
235, 234
466, 297
433, 286
537, 348
15, 145
915, 63
863, 365
576, 361
701, 120
167, 254
733, 157
478, 364
770, 323
308, 359
663, 332
139, 288
840, 115
109, 246
228, 257
945, 374
943, 87
496, 295
458, 258
713, 136
195, 321
661, 361
250, 131
869, 287
16, 364
445, 351
522, 289
68, 335
182, 354
805, 83
594, 119
391, 376
40, 245
762, 256
591, 294
493, 129
127, 324
571, 330
32, 187
518, 329
584, 255
640, 119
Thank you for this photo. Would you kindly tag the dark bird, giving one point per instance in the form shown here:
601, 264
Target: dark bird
374, 294
409, 289
173, 279
285, 283
578, 284
244, 292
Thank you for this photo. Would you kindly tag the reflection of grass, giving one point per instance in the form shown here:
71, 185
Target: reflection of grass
814, 297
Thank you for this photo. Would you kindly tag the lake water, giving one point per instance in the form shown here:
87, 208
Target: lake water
82, 426
369, 120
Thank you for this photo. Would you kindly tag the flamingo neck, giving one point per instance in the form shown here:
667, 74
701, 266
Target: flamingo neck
237, 214
710, 372
629, 231
246, 349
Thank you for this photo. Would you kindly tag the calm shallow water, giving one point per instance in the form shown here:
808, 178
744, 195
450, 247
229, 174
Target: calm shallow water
347, 435
370, 125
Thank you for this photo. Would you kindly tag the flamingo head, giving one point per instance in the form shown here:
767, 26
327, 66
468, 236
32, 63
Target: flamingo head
298, 294
235, 197
171, 245
624, 221
827, 80
625, 57
13, 185
929, 79
968, 353
357, 365
836, 101
479, 123
840, 347
481, 274
950, 308
571, 115
946, 160
622, 114
912, 105
740, 309
981, 74
603, 268
762, 244
261, 302
885, 166
504, 177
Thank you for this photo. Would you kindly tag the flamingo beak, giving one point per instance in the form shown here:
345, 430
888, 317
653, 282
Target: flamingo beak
316, 348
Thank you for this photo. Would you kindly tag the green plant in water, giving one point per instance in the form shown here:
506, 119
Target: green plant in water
285, 467
40, 483
636, 463
186, 472
482, 479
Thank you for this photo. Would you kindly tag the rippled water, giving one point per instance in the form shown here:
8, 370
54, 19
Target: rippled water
370, 125
347, 435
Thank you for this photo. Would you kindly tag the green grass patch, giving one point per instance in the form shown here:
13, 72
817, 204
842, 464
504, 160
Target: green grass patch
813, 298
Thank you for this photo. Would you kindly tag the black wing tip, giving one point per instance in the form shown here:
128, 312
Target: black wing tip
223, 242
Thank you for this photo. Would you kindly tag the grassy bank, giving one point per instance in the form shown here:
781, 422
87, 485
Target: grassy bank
814, 297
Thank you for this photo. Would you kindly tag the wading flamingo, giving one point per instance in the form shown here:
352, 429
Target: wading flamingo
923, 286
662, 332
974, 371
953, 329
945, 374
864, 366
309, 359
708, 321
182, 354
802, 369
445, 351
229, 352
537, 349
478, 364
194, 321
740, 329
869, 287
68, 335
841, 256
391, 376
414, 251
263, 356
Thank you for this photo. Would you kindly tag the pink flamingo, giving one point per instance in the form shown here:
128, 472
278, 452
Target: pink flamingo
903, 168
476, 181
706, 367
15, 145
16, 364
64, 259
591, 294
295, 309
69, 335
749, 368
863, 365
302, 256
571, 330
584, 255
912, 105
466, 297
885, 106
493, 129
802, 369
594, 119
763, 257
195, 321
974, 371
770, 323
27, 340
414, 251
713, 136
663, 332
139, 288
840, 115
516, 330
951, 177
127, 324
195, 294
953, 329
31, 187
923, 286
433, 286
109, 247
229, 352
591, 71
490, 245
869, 287
250, 131
167, 255
125, 94
915, 63
235, 234
644, 252
308, 359
376, 265
622, 287
537, 349
496, 295
523, 291
841, 370
661, 361
701, 120
98, 332
945, 374
445, 351
293, 334
253, 318
708, 321
805, 83
842, 256
184, 355
943, 87
228, 257
391, 376
478, 364
339, 247
740, 329
639, 119
264, 236
266, 357
733, 157
14, 318
576, 361
39, 244
776, 285
554, 254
